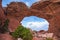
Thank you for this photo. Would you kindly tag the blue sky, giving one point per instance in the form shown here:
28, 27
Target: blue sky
27, 2
31, 22
35, 23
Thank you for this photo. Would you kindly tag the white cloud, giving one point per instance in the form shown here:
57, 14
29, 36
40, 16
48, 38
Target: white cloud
15, 0
37, 25
28, 3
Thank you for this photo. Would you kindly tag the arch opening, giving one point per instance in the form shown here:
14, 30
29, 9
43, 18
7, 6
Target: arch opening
35, 23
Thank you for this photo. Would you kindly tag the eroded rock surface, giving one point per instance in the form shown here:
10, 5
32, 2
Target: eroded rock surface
52, 12
2, 16
54, 0
6, 36
48, 10
16, 11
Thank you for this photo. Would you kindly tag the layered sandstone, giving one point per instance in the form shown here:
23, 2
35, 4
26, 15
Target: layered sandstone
55, 0
2, 16
6, 36
16, 11
52, 11
48, 10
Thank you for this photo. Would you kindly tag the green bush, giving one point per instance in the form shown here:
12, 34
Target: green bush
49, 39
23, 33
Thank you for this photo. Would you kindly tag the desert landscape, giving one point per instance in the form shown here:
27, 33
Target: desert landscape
16, 11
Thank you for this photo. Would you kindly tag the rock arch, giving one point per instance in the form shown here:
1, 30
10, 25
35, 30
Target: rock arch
16, 11
51, 12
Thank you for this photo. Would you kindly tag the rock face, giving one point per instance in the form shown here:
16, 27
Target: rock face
48, 10
54, 0
52, 14
15, 13
6, 37
2, 16
55, 7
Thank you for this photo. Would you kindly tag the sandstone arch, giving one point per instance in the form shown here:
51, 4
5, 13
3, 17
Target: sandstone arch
16, 11
47, 11
53, 12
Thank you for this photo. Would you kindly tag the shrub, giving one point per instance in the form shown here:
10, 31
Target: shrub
49, 39
23, 33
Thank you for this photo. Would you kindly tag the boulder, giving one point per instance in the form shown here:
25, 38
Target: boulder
6, 36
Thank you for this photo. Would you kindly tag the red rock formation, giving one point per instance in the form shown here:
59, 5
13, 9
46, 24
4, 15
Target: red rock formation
6, 36
16, 11
2, 20
46, 9
40, 5
50, 0
36, 38
2, 16
52, 12
55, 7
54, 0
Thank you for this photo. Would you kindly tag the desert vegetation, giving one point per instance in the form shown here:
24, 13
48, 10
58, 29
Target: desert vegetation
49, 38
23, 33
